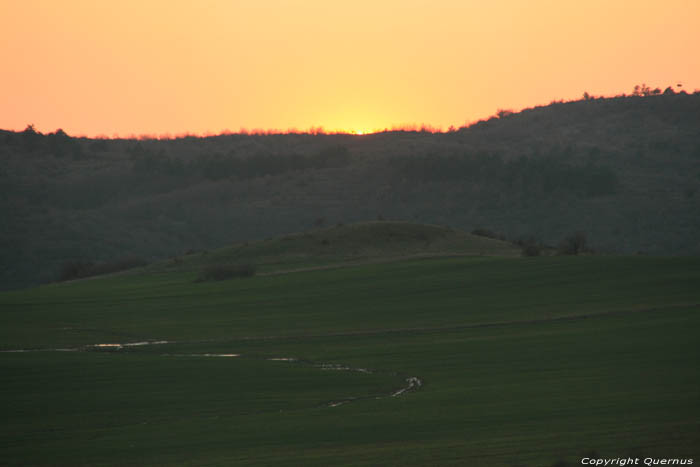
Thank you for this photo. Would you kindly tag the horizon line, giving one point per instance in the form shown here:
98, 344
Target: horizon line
319, 130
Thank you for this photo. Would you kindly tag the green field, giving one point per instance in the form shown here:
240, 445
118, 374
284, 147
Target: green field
523, 362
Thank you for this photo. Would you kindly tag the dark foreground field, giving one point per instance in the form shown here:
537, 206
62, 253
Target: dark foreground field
518, 362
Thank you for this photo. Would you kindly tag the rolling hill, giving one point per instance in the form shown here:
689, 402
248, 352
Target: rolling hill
343, 245
624, 170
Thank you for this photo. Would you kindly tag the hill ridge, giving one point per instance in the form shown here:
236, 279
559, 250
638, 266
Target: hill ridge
624, 170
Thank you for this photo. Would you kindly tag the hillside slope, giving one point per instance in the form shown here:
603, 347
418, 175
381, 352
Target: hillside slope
342, 245
625, 171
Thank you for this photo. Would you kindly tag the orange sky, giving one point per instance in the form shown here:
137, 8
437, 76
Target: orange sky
173, 66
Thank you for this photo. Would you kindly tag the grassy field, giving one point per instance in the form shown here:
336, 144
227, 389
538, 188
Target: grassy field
523, 362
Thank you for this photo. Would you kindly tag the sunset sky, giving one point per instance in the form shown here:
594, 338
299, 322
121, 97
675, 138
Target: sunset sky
156, 67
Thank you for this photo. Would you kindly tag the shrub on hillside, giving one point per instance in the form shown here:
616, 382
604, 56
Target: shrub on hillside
529, 246
228, 271
74, 270
574, 244
118, 265
531, 249
80, 269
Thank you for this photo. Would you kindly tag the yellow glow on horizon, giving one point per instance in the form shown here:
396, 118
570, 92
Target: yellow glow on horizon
174, 66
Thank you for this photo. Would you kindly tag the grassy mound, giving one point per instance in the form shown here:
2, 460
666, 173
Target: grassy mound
365, 242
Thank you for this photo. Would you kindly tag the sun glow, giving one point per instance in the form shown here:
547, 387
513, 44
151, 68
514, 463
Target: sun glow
162, 67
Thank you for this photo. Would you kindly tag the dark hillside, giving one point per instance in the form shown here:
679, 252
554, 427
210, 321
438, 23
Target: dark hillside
626, 171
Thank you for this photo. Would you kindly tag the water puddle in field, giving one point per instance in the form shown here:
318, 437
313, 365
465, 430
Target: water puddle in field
136, 344
413, 383
335, 366
336, 404
202, 355
128, 344
107, 346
